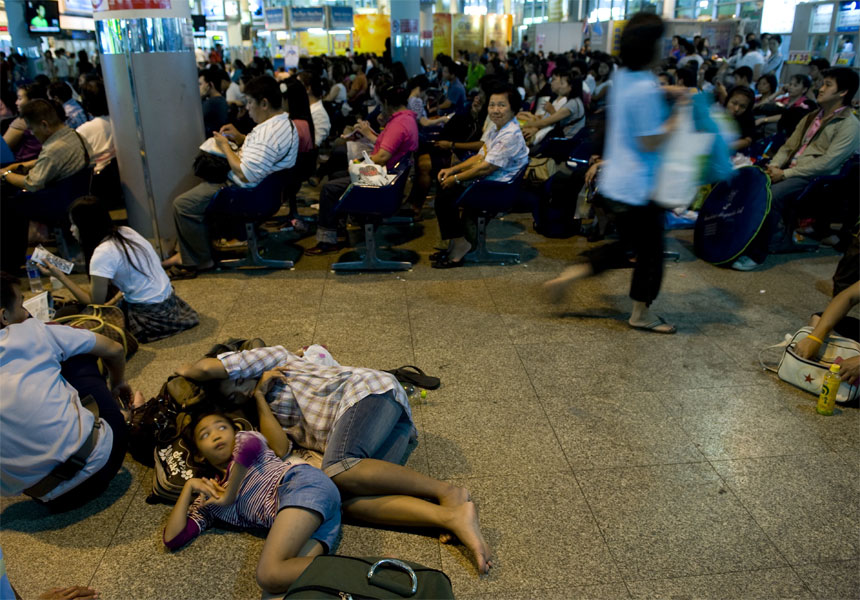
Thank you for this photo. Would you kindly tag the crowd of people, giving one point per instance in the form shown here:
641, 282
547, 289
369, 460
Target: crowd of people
483, 116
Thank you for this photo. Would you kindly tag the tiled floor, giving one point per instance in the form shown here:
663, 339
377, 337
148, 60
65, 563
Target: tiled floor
606, 463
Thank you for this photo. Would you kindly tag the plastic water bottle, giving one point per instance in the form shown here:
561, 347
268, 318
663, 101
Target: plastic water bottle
829, 390
35, 276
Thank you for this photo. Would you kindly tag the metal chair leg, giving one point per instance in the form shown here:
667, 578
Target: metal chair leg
481, 255
370, 261
253, 258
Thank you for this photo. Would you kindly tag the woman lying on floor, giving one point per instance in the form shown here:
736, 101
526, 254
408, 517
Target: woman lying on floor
361, 421
121, 256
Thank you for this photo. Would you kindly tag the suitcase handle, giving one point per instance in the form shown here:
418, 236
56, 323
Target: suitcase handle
393, 587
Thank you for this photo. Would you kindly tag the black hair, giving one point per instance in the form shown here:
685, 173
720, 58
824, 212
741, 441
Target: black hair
771, 81
8, 291
94, 99
212, 77
687, 46
314, 84
419, 81
687, 77
742, 90
248, 75
821, 63
511, 92
393, 96
753, 44
573, 80
398, 71
202, 466
298, 104
35, 90
670, 79
744, 72
41, 109
95, 226
804, 80
42, 80
639, 40
710, 73
264, 88
60, 91
846, 80
777, 37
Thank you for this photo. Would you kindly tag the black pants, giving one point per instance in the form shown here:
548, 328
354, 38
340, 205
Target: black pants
640, 229
329, 197
451, 224
82, 373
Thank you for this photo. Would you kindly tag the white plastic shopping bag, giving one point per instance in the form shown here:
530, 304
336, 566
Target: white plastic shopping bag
683, 163
368, 173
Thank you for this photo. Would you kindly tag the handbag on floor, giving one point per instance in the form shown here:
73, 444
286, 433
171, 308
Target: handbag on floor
808, 374
107, 320
352, 577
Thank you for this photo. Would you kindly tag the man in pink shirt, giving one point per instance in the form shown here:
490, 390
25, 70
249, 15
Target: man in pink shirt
398, 139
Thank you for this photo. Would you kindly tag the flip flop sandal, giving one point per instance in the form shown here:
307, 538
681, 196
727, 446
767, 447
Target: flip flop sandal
447, 263
177, 273
437, 256
652, 327
415, 376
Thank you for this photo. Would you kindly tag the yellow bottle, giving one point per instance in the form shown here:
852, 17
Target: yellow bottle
829, 389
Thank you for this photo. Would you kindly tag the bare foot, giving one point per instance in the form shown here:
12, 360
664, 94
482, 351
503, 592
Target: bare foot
464, 524
173, 261
458, 249
138, 399
555, 289
455, 497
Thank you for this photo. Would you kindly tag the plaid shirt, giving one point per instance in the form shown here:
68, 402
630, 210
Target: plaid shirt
314, 396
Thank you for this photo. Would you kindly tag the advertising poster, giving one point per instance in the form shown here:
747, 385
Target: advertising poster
442, 34
276, 18
340, 17
468, 33
307, 18
370, 33
617, 30
313, 44
340, 43
498, 28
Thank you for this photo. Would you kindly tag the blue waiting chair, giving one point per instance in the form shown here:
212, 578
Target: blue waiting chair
487, 199
251, 205
373, 205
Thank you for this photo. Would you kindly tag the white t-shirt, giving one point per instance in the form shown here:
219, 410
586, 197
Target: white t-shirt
149, 285
99, 135
234, 94
341, 92
41, 416
322, 122
61, 66
751, 59
690, 59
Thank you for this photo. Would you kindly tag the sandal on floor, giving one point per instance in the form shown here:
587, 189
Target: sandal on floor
415, 376
178, 272
652, 327
322, 248
447, 263
437, 256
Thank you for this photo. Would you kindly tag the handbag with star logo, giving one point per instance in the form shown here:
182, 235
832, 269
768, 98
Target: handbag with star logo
808, 374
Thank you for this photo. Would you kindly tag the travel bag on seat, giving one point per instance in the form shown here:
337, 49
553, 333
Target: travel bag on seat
345, 577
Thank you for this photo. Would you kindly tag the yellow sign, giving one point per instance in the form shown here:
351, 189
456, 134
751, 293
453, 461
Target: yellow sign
468, 33
617, 30
370, 33
441, 34
498, 29
313, 44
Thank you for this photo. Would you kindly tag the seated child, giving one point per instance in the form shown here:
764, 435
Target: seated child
253, 488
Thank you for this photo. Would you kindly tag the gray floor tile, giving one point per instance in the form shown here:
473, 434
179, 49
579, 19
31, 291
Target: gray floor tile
609, 591
552, 516
674, 521
450, 294
499, 436
44, 550
742, 421
808, 505
481, 372
367, 540
840, 431
832, 580
464, 326
365, 294
366, 332
600, 431
766, 584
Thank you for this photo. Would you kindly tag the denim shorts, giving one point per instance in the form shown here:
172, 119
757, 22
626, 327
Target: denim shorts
304, 486
377, 426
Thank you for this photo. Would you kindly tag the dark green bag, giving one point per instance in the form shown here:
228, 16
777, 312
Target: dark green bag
346, 577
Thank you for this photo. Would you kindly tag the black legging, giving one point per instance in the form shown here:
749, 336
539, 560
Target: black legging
82, 373
640, 229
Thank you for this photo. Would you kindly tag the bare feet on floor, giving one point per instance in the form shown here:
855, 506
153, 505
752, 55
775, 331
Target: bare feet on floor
454, 498
465, 525
173, 261
554, 289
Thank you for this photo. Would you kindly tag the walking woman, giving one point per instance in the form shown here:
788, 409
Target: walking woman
638, 124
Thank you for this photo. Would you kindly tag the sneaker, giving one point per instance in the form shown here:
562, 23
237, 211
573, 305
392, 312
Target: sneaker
745, 263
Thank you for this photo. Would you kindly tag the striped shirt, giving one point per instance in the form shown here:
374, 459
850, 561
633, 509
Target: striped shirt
256, 504
271, 146
314, 396
75, 115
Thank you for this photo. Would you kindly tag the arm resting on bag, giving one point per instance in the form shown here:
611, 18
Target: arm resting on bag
835, 311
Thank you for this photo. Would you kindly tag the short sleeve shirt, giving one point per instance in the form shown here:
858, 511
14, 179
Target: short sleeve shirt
399, 137
271, 146
506, 149
457, 95
146, 284
416, 105
636, 109
41, 416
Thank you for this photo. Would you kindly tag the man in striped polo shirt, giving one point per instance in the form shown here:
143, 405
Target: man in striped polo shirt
271, 146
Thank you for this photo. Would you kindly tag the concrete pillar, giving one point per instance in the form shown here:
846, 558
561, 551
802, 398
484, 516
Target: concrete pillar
147, 59
406, 34
427, 25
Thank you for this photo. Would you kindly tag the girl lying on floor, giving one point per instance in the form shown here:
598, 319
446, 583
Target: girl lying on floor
251, 487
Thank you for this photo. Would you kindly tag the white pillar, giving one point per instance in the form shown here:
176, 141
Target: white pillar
406, 34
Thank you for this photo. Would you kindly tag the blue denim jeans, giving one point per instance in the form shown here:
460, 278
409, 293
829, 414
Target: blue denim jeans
375, 427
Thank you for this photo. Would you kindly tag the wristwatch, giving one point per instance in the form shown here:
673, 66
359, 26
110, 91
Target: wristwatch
5, 173
456, 179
